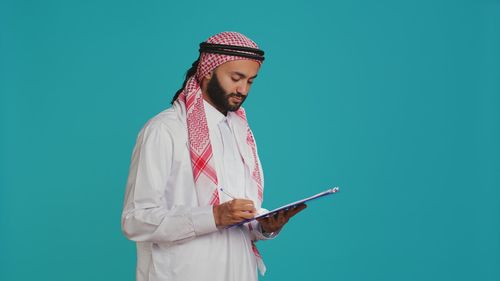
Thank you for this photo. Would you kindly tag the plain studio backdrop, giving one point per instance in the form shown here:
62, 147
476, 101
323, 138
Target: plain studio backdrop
396, 102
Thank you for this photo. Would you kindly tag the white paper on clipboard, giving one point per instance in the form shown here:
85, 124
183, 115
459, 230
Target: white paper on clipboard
288, 206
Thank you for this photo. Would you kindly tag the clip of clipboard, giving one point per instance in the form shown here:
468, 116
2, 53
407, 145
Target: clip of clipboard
289, 206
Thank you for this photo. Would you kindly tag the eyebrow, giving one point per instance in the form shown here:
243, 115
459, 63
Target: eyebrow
242, 75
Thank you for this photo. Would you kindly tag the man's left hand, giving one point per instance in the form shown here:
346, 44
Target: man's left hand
276, 222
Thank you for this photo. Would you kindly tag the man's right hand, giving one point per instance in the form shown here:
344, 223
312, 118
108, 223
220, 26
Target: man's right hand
233, 211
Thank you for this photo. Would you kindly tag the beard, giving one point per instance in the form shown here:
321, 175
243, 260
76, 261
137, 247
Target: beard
220, 97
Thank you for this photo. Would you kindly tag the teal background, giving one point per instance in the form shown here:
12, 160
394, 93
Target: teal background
397, 102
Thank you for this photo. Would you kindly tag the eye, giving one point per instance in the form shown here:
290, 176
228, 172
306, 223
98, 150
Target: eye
235, 79
250, 81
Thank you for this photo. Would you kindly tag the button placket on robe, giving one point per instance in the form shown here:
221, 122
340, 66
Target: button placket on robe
233, 166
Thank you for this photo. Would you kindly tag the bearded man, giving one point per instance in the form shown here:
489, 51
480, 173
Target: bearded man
195, 171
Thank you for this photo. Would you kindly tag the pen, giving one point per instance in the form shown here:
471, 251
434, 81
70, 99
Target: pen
234, 197
227, 193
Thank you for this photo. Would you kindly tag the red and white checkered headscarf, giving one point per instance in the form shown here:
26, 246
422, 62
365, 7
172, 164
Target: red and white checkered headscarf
209, 61
200, 149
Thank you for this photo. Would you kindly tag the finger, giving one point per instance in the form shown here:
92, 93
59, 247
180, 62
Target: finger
244, 205
283, 221
272, 219
247, 208
283, 218
297, 209
243, 215
243, 201
236, 207
263, 220
279, 218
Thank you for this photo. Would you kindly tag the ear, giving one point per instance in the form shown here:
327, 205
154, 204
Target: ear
209, 75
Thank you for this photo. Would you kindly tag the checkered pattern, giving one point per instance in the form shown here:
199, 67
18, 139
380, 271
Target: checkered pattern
256, 173
211, 61
204, 174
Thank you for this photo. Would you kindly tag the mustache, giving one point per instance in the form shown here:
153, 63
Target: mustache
238, 95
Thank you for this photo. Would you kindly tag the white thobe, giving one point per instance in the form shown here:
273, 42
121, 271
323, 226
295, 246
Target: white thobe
176, 238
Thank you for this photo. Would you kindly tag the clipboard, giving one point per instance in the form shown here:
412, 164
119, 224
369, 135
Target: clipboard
288, 206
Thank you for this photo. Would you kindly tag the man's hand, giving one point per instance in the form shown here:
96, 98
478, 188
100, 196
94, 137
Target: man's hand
276, 222
233, 211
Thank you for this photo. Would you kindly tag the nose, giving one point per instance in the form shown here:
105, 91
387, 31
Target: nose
243, 88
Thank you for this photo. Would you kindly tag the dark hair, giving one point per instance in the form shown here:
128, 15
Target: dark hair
189, 73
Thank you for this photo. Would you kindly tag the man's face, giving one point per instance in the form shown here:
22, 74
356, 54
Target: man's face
230, 83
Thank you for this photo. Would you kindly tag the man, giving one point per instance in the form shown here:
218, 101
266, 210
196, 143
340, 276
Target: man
195, 171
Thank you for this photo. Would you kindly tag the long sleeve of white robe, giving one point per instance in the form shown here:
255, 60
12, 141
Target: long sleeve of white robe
145, 217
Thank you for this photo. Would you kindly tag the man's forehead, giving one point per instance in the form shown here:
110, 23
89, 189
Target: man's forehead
247, 68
